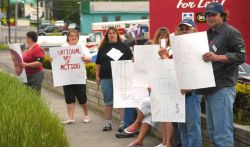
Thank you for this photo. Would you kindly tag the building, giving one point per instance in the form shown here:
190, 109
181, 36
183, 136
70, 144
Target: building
178, 9
92, 12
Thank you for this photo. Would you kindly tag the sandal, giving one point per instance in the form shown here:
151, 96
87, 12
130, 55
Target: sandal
68, 121
131, 130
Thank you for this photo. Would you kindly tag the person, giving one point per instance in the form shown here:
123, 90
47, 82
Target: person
190, 131
76, 90
111, 41
33, 62
144, 121
227, 51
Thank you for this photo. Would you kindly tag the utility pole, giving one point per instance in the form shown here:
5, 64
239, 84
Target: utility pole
8, 19
16, 15
37, 19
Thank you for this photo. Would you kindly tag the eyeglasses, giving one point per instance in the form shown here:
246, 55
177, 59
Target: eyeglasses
185, 29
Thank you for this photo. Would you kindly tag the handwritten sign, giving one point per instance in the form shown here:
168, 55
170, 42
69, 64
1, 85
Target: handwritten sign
67, 66
192, 72
125, 94
16, 54
167, 103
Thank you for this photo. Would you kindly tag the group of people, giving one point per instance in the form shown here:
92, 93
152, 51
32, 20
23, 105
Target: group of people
227, 51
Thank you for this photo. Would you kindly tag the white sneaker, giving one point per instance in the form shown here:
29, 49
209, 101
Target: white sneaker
86, 119
68, 121
160, 145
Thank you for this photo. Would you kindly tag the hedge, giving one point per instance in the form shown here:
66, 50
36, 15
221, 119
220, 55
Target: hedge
25, 119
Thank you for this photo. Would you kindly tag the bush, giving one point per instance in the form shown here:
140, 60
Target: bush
46, 62
241, 104
90, 67
4, 47
26, 120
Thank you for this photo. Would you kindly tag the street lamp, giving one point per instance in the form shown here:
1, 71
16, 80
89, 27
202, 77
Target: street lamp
80, 14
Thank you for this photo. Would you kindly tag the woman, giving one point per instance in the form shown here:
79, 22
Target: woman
111, 41
190, 130
78, 90
33, 62
144, 121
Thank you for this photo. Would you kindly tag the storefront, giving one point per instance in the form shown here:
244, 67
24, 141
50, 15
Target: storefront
168, 13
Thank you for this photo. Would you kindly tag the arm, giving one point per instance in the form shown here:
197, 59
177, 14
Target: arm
97, 74
32, 64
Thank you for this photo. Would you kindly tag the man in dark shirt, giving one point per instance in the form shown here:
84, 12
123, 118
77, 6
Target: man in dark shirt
227, 51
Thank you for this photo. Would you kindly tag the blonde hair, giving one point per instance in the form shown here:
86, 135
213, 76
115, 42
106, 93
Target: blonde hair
161, 31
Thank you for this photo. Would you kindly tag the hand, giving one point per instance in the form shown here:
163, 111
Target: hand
50, 59
98, 81
163, 53
85, 59
149, 89
24, 64
185, 91
210, 56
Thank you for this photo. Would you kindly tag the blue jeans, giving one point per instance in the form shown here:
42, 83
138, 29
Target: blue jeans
190, 131
130, 115
219, 107
107, 91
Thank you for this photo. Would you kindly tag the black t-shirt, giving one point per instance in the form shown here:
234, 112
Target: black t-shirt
105, 61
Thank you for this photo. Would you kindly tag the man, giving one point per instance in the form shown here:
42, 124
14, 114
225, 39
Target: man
226, 53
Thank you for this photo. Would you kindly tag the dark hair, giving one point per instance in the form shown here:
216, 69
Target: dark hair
72, 31
161, 31
106, 38
33, 35
224, 15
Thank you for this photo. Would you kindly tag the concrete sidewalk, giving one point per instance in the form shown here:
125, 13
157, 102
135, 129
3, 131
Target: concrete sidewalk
81, 134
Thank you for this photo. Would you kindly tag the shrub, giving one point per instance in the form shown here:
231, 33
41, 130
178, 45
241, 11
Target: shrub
46, 62
4, 47
90, 67
26, 120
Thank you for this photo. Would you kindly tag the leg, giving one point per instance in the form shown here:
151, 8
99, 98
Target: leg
169, 130
121, 110
70, 100
163, 132
221, 104
71, 108
108, 112
143, 131
80, 92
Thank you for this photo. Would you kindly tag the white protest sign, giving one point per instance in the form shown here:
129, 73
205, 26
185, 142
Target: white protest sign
192, 72
16, 54
67, 66
115, 54
167, 102
125, 95
144, 56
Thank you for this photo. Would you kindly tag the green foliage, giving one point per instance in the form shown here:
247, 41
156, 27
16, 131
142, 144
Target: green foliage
25, 119
4, 47
46, 62
56, 33
242, 104
90, 67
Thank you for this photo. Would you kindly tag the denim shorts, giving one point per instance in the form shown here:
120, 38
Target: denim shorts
107, 91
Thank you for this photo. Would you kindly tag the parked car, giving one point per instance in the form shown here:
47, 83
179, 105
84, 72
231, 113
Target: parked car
59, 23
72, 26
65, 32
50, 30
244, 73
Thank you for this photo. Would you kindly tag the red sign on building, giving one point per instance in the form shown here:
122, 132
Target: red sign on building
168, 13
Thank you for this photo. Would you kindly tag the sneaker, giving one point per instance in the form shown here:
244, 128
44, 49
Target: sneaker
68, 121
121, 128
86, 119
107, 127
160, 145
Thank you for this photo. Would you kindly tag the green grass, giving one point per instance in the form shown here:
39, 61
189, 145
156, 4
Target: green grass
4, 47
25, 119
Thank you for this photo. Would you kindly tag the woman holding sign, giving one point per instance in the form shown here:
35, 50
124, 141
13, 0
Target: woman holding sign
111, 49
78, 90
33, 62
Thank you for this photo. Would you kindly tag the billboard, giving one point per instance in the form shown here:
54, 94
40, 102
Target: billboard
168, 13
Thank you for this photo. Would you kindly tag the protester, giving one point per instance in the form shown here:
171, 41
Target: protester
76, 91
227, 51
33, 62
111, 41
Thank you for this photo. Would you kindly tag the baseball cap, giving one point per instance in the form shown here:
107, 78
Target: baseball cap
214, 7
188, 22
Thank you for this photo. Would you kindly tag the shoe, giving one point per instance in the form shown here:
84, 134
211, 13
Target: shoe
68, 121
134, 144
131, 130
160, 145
86, 119
123, 135
107, 127
121, 127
